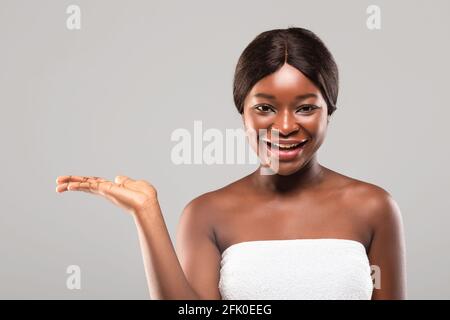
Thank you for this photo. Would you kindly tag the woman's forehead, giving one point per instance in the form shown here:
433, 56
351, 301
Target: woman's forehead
286, 81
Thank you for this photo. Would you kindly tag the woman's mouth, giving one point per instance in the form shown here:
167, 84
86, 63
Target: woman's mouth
286, 151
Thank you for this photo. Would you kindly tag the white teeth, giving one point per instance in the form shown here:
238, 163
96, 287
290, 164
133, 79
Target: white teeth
285, 146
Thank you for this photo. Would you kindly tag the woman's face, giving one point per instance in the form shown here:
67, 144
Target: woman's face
285, 108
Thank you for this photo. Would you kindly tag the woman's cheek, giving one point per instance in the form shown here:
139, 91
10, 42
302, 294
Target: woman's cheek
261, 122
317, 130
257, 128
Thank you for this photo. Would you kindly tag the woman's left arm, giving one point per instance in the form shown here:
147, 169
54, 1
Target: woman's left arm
387, 253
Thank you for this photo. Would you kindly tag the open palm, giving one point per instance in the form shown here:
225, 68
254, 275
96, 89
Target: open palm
131, 195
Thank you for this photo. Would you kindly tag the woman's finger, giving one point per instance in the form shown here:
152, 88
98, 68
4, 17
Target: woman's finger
86, 185
122, 180
104, 188
61, 187
127, 182
65, 181
62, 179
116, 193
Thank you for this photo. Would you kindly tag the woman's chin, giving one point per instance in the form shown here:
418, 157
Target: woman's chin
287, 171
283, 168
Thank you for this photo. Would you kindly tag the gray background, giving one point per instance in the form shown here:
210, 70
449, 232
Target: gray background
104, 100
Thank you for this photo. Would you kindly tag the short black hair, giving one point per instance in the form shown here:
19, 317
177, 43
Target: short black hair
298, 47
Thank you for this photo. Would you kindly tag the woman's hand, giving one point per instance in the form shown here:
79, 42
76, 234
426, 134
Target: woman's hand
132, 195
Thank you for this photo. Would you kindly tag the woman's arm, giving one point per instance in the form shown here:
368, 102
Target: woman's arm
165, 276
197, 248
196, 277
387, 249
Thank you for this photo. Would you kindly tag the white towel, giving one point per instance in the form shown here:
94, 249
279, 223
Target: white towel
296, 269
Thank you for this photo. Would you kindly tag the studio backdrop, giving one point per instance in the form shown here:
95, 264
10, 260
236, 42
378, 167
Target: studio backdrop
104, 88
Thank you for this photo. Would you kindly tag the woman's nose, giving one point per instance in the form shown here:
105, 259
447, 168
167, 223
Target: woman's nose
285, 123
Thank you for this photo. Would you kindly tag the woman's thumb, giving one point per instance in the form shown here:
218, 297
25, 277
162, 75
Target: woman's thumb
121, 179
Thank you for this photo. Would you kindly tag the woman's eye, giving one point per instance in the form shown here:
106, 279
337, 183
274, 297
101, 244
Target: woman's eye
307, 108
263, 108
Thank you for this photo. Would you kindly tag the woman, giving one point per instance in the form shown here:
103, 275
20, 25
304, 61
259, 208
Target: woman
293, 229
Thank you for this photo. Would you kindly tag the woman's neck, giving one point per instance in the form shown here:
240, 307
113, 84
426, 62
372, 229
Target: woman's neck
310, 175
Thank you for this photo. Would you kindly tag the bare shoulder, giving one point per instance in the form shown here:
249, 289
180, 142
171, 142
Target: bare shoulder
212, 203
377, 209
373, 201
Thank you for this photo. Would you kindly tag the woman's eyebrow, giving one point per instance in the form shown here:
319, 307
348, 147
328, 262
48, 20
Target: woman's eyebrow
299, 97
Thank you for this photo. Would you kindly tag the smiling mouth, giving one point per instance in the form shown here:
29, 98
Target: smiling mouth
284, 151
285, 146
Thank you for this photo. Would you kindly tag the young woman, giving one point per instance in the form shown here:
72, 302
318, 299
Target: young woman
303, 232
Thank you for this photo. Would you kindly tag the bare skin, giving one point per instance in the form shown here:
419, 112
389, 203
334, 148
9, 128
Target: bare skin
303, 200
